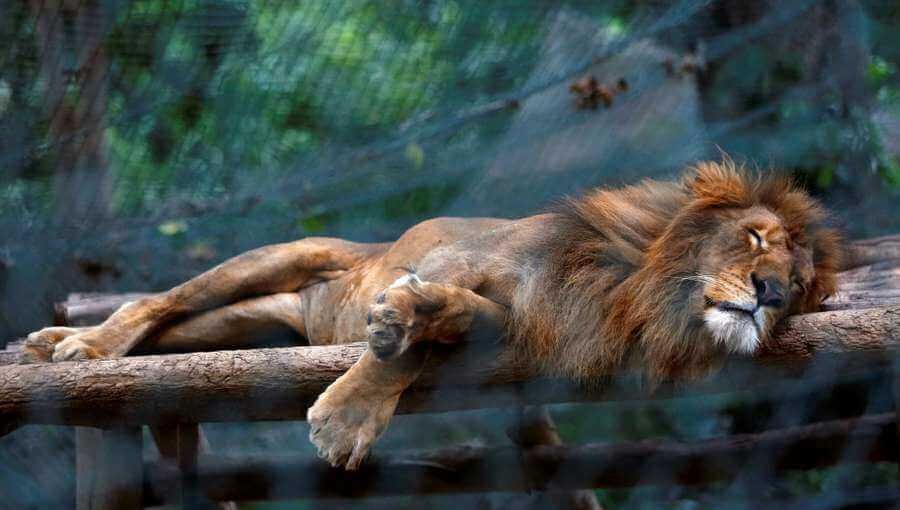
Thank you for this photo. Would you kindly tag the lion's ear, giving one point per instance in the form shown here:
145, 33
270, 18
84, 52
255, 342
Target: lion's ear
718, 184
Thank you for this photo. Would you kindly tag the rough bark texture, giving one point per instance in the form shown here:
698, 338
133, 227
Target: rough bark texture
836, 331
544, 467
869, 251
279, 383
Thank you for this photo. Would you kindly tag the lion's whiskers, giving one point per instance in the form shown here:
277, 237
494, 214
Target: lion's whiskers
699, 278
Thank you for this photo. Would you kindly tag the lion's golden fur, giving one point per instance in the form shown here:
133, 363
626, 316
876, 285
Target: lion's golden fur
611, 283
670, 275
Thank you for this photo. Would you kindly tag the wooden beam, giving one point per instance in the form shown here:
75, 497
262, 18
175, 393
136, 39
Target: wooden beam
870, 251
279, 383
836, 331
534, 427
109, 468
543, 467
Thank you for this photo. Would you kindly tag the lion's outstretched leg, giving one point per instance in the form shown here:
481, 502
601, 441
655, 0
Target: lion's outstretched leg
353, 412
268, 270
350, 415
235, 326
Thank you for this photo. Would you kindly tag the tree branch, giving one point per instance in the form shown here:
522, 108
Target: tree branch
279, 383
546, 467
870, 251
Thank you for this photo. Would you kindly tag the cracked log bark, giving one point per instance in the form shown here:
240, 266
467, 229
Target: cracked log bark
279, 383
869, 251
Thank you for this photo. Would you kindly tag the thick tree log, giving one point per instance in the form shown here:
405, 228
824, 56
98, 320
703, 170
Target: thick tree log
546, 467
279, 383
93, 308
869, 251
834, 331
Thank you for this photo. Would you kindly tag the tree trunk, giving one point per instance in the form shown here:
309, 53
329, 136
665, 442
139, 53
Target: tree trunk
70, 39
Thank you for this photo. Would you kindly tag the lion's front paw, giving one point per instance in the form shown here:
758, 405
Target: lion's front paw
76, 348
39, 345
388, 331
345, 422
395, 321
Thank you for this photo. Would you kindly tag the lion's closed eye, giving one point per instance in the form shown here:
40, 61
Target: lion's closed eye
756, 240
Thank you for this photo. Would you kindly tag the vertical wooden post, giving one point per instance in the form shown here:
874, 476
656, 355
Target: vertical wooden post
896, 388
109, 468
182, 444
534, 427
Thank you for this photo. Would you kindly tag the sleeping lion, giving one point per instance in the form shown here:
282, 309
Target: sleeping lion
671, 274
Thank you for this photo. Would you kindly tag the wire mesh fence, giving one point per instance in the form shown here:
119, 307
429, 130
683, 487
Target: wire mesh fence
143, 141
139, 137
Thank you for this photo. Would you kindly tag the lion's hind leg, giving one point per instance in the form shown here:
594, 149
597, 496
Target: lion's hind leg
241, 325
264, 271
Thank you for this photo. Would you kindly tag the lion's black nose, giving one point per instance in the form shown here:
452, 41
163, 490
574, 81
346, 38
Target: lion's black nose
768, 292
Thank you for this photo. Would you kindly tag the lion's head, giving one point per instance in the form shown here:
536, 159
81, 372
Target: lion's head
763, 253
740, 253
687, 271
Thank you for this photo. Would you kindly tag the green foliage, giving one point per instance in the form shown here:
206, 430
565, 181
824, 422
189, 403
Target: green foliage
232, 123
267, 86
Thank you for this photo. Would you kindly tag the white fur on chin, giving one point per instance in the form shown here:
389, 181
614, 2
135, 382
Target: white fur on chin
735, 330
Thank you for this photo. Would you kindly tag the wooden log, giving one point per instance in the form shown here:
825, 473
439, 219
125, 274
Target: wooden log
88, 309
279, 383
535, 427
886, 272
544, 467
803, 335
180, 446
109, 468
869, 251
10, 355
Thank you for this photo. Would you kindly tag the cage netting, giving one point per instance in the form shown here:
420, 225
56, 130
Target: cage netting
143, 141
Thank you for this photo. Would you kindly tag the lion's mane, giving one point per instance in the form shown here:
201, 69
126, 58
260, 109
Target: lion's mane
604, 287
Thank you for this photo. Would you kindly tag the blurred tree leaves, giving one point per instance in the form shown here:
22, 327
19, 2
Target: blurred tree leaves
234, 123
207, 98
256, 86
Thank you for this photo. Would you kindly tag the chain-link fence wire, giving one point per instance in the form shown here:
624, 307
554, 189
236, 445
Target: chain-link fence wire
145, 141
